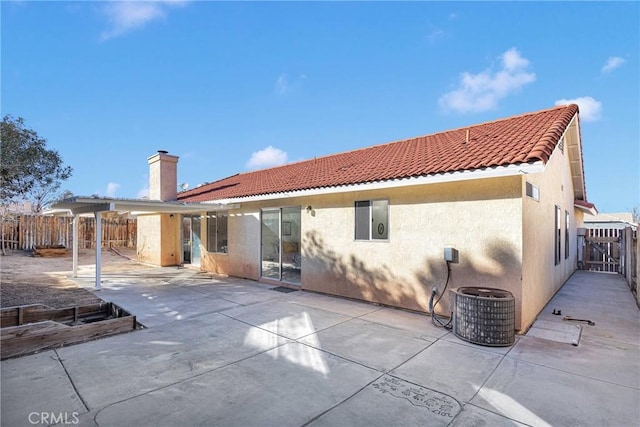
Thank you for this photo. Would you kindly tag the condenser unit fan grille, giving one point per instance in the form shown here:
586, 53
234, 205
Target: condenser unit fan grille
484, 316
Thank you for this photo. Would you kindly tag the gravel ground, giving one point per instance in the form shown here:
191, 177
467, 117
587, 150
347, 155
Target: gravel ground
25, 279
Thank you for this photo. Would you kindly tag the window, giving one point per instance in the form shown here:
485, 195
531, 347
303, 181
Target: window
533, 191
558, 235
566, 234
217, 232
372, 220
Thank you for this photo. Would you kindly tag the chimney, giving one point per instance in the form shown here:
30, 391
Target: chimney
163, 176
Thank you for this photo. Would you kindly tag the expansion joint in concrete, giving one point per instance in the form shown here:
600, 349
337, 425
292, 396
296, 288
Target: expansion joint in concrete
75, 389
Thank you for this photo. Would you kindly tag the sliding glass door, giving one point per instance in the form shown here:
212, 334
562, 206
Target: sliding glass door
271, 244
280, 239
191, 252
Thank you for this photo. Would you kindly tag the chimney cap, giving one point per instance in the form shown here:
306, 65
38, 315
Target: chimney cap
163, 151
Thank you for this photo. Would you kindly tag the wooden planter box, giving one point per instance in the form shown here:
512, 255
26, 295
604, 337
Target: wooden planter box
32, 328
50, 251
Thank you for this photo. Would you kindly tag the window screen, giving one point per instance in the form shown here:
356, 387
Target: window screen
363, 220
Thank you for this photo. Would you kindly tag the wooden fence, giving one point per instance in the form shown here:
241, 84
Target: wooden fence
603, 249
24, 232
615, 251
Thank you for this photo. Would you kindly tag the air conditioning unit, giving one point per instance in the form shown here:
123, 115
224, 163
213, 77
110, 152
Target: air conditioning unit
484, 316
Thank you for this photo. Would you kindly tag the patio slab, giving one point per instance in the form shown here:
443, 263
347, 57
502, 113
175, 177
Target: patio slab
455, 369
233, 352
614, 362
374, 345
541, 396
332, 304
286, 386
35, 385
286, 318
478, 417
418, 323
390, 401
123, 366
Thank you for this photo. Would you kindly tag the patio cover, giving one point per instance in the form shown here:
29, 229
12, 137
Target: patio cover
85, 206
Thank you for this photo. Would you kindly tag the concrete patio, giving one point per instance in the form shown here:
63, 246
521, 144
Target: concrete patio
233, 352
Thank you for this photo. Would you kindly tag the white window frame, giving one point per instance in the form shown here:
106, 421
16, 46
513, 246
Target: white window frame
532, 191
213, 243
371, 235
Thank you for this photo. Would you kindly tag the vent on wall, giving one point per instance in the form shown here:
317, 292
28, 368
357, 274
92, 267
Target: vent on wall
533, 191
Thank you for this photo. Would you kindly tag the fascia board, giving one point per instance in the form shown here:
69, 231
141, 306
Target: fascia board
495, 172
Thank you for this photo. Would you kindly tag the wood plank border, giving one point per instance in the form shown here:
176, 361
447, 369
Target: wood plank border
37, 339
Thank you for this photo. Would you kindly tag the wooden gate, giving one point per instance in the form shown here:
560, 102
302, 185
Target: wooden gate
602, 249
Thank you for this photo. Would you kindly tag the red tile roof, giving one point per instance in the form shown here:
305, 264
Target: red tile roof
526, 138
588, 206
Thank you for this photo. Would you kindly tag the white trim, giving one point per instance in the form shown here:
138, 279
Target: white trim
89, 205
494, 172
580, 166
591, 211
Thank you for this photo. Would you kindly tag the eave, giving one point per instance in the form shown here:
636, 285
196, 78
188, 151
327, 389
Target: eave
88, 205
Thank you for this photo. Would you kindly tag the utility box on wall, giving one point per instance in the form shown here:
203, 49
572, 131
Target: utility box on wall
451, 255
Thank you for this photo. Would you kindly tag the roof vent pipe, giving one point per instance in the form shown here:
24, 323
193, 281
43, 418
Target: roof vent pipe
466, 139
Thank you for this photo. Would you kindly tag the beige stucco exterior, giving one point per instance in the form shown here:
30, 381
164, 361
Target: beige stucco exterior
402, 270
423, 220
163, 172
541, 276
505, 239
159, 239
159, 234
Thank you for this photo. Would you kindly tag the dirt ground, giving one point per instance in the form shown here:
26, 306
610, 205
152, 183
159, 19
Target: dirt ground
25, 279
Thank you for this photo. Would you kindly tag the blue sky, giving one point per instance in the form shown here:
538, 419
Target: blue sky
235, 86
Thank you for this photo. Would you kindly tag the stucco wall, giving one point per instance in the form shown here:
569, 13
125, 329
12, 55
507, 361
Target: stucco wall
482, 219
159, 239
213, 262
163, 169
244, 242
541, 277
638, 271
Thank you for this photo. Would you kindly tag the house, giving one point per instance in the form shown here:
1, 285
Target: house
610, 221
372, 224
